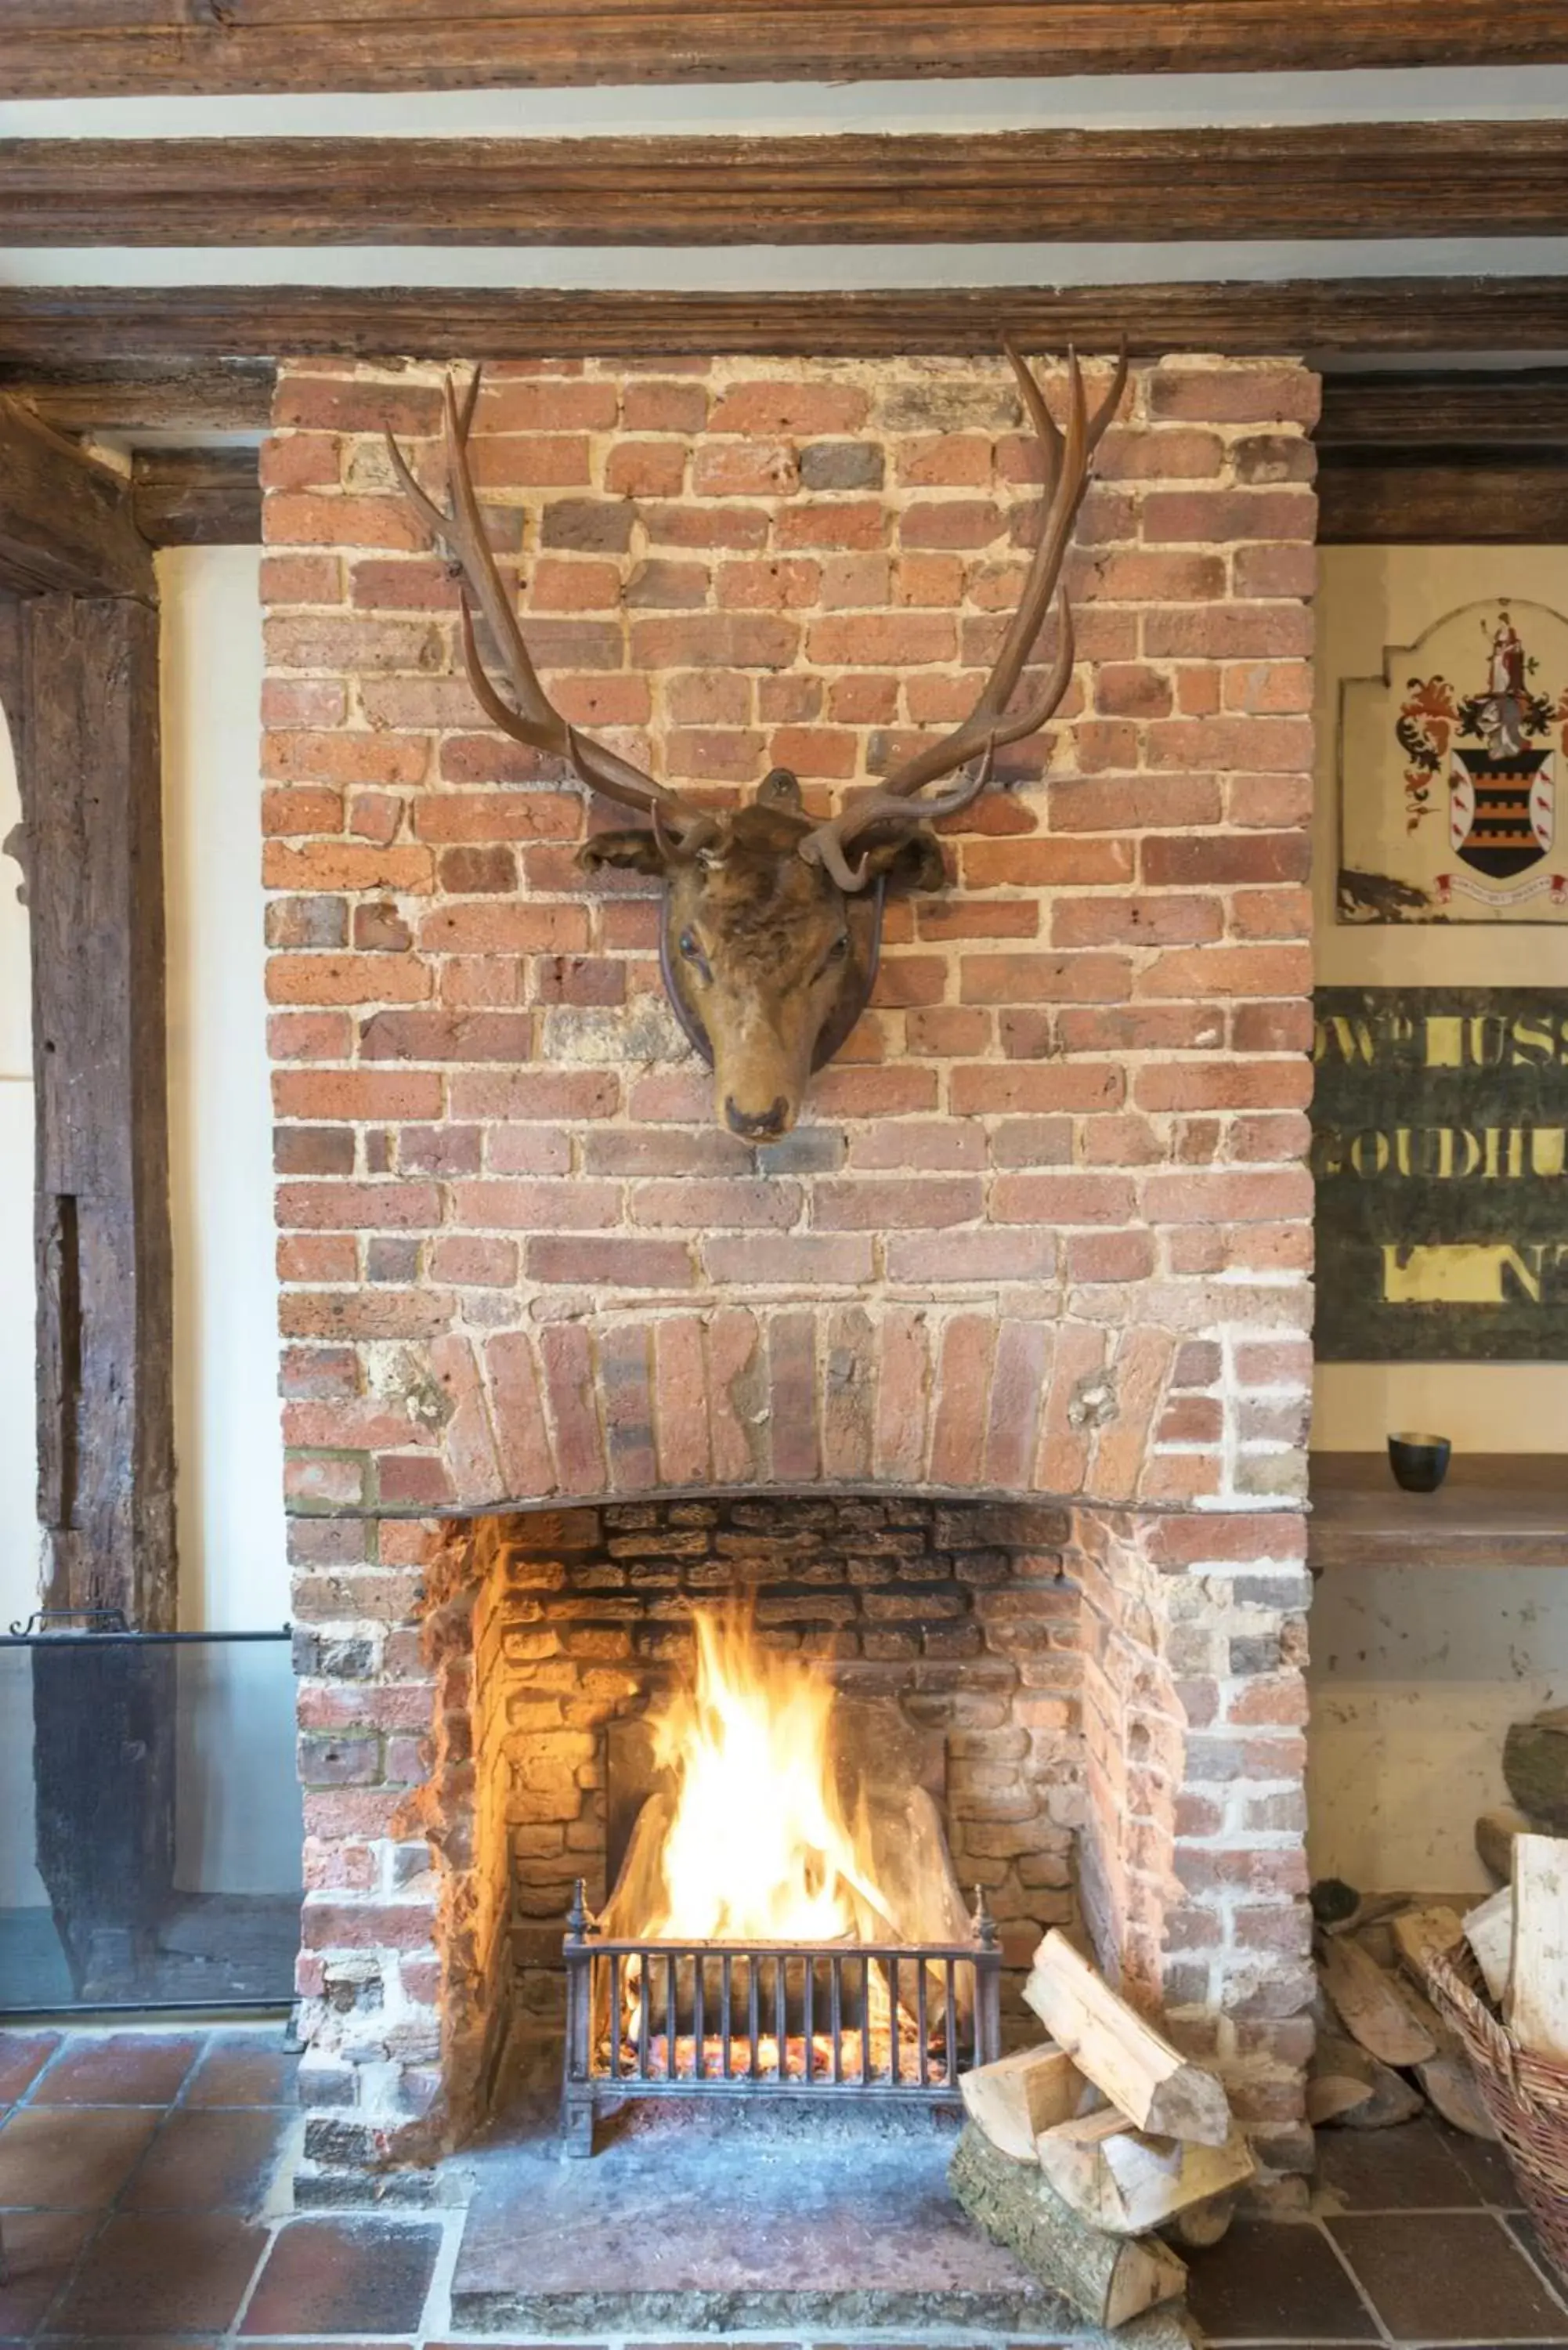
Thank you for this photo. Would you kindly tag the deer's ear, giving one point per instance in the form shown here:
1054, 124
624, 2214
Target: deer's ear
629, 852
915, 863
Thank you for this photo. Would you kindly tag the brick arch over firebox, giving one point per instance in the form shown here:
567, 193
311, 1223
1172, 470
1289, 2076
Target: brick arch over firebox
801, 1396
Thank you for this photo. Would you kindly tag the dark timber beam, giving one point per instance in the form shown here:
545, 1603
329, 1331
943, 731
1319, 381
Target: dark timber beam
92, 808
1525, 410
66, 523
87, 48
110, 326
198, 497
203, 395
1334, 180
1436, 497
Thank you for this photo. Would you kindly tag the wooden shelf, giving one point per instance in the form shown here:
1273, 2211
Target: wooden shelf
1492, 1510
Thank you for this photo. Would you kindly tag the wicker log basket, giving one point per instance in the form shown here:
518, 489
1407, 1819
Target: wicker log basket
1526, 2095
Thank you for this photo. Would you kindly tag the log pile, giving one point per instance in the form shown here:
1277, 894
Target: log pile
1078, 2149
1383, 2052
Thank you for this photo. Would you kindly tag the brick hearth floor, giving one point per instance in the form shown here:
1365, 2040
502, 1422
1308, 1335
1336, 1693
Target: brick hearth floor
140, 2207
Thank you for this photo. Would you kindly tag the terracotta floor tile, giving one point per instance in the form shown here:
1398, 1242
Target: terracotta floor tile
217, 2160
150, 2274
1405, 2169
244, 2068
23, 2056
41, 2248
1455, 2278
1267, 2280
344, 2276
117, 2068
71, 2158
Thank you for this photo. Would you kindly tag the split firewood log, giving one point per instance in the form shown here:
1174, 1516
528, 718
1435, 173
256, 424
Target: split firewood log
1538, 1998
1495, 1832
1107, 2279
1015, 2098
1371, 2005
1155, 2086
1451, 2085
1421, 1933
1128, 2182
1339, 2066
1489, 1930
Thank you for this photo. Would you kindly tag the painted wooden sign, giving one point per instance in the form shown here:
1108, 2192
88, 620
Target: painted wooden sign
1440, 1156
1448, 773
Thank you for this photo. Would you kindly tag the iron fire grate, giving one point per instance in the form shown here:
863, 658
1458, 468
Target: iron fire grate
856, 2020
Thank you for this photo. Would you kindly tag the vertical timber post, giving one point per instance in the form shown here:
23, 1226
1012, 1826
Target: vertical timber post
103, 1718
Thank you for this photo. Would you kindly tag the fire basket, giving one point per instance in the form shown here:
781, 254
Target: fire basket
842, 2020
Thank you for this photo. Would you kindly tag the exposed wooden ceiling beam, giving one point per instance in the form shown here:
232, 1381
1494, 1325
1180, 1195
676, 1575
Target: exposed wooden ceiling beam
1340, 179
1526, 410
207, 395
1436, 496
108, 327
51, 48
197, 497
66, 523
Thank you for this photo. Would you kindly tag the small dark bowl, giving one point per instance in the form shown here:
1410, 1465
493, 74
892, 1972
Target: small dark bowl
1419, 1464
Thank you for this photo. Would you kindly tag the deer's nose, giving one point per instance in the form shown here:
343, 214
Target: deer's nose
756, 1125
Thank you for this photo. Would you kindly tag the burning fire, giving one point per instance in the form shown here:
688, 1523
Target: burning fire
758, 1846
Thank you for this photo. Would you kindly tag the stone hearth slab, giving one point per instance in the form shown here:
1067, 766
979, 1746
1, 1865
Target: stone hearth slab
693, 2222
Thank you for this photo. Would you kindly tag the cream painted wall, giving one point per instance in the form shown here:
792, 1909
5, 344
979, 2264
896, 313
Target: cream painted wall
1417, 1673
238, 1811
1370, 596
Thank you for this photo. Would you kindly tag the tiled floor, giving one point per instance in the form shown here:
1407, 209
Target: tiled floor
141, 2211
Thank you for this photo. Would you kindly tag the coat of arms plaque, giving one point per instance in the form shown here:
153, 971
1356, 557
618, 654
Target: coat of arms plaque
1449, 772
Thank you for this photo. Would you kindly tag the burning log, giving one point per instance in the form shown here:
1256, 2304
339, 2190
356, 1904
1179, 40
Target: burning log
1107, 2279
1157, 2088
1019, 2096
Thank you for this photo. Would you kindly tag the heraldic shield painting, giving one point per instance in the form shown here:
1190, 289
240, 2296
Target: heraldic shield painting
1449, 768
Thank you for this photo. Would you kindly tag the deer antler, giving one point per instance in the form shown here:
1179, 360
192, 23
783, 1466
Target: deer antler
535, 720
896, 808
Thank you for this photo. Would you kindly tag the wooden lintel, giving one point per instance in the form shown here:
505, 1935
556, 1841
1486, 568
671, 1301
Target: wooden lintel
66, 523
220, 395
197, 497
1328, 179
1525, 409
1436, 497
90, 48
109, 326
92, 808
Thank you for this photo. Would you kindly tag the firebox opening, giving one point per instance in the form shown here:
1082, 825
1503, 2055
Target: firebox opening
791, 1741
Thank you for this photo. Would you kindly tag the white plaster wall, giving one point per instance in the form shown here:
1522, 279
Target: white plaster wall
238, 1814
1417, 1673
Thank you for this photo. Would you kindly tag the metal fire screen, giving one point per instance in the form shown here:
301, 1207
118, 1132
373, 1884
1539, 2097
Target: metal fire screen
857, 2020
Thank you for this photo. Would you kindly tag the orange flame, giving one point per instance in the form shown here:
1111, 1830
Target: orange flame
759, 1848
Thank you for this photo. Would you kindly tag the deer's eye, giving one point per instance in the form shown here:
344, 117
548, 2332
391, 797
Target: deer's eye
837, 951
693, 953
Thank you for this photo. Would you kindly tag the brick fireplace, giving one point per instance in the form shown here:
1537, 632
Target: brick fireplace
990, 1381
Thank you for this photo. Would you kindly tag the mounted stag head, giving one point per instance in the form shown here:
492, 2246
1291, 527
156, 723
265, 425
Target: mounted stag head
772, 921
